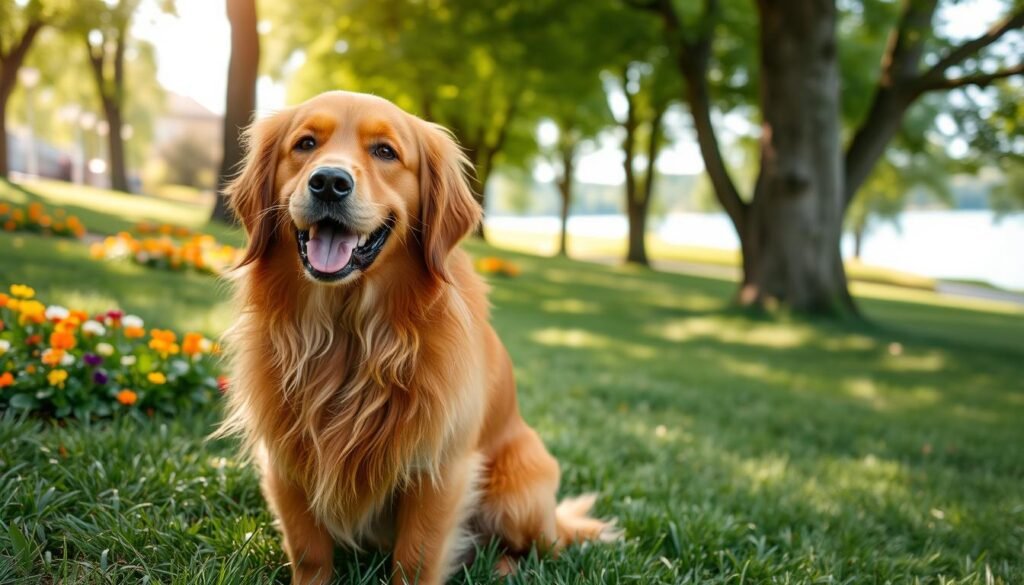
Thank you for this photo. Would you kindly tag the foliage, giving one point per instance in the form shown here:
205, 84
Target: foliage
36, 218
61, 363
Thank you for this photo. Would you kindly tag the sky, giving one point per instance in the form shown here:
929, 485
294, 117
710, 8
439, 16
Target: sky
194, 46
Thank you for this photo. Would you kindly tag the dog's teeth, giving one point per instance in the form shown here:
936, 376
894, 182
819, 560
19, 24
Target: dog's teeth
362, 241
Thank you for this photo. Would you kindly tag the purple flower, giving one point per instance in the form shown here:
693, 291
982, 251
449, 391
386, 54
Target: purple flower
100, 377
92, 359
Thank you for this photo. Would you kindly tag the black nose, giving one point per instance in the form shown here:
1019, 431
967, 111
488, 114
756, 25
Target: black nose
331, 184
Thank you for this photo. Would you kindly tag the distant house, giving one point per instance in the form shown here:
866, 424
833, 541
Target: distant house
183, 116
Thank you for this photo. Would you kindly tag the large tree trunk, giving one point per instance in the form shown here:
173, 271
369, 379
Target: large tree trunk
115, 146
793, 231
240, 107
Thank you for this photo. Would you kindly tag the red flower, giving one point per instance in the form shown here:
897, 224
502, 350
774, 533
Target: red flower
222, 384
33, 339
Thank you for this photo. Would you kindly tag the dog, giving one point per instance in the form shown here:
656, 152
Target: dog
367, 383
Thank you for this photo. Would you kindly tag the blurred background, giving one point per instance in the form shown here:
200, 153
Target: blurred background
579, 116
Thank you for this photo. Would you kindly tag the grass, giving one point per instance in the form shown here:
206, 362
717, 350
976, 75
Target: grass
733, 449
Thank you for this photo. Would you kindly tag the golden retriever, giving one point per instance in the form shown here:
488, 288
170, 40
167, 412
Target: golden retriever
367, 381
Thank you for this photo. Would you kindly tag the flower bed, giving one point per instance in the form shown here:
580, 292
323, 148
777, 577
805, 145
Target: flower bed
493, 265
38, 219
198, 252
62, 363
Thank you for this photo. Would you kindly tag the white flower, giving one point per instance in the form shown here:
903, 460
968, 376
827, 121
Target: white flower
132, 321
104, 349
67, 360
93, 328
4, 346
205, 345
56, 313
128, 360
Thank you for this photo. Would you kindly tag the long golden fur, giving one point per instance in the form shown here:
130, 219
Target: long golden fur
380, 407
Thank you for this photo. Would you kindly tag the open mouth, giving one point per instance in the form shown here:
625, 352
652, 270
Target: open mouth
331, 251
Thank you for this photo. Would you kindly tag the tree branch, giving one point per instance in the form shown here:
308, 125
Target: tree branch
693, 58
979, 79
965, 50
906, 43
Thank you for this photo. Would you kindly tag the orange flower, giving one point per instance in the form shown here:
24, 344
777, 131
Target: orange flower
6, 379
192, 344
127, 397
489, 264
132, 332
3, 300
52, 357
31, 368
163, 341
62, 340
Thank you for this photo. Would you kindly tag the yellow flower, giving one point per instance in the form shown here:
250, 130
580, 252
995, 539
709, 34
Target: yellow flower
57, 378
23, 291
157, 378
33, 311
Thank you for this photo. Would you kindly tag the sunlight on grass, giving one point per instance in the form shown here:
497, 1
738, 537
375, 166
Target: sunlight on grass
780, 336
583, 339
573, 306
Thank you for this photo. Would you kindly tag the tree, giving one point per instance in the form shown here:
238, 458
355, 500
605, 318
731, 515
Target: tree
19, 25
104, 29
790, 227
240, 106
571, 96
649, 89
472, 66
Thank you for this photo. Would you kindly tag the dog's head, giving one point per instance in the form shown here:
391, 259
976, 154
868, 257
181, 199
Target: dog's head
351, 182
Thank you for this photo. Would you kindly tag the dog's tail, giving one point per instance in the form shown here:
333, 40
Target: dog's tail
573, 525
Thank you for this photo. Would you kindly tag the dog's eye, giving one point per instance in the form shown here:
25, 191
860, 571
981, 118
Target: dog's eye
384, 152
306, 143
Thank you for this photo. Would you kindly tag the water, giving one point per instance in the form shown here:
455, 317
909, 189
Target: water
968, 245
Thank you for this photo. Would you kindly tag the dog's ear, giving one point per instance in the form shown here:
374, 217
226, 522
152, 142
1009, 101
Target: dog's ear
448, 210
251, 194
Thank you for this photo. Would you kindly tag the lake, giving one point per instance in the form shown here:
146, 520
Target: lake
950, 244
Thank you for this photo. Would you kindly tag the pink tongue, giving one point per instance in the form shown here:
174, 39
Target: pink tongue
328, 249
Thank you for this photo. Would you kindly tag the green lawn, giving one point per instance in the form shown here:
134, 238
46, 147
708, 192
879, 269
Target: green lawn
733, 449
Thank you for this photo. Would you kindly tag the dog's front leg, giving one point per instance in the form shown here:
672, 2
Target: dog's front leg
429, 524
307, 543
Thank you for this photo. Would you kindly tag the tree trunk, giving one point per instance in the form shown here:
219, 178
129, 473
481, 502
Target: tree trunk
112, 98
4, 168
858, 241
10, 64
115, 147
240, 106
565, 190
793, 231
